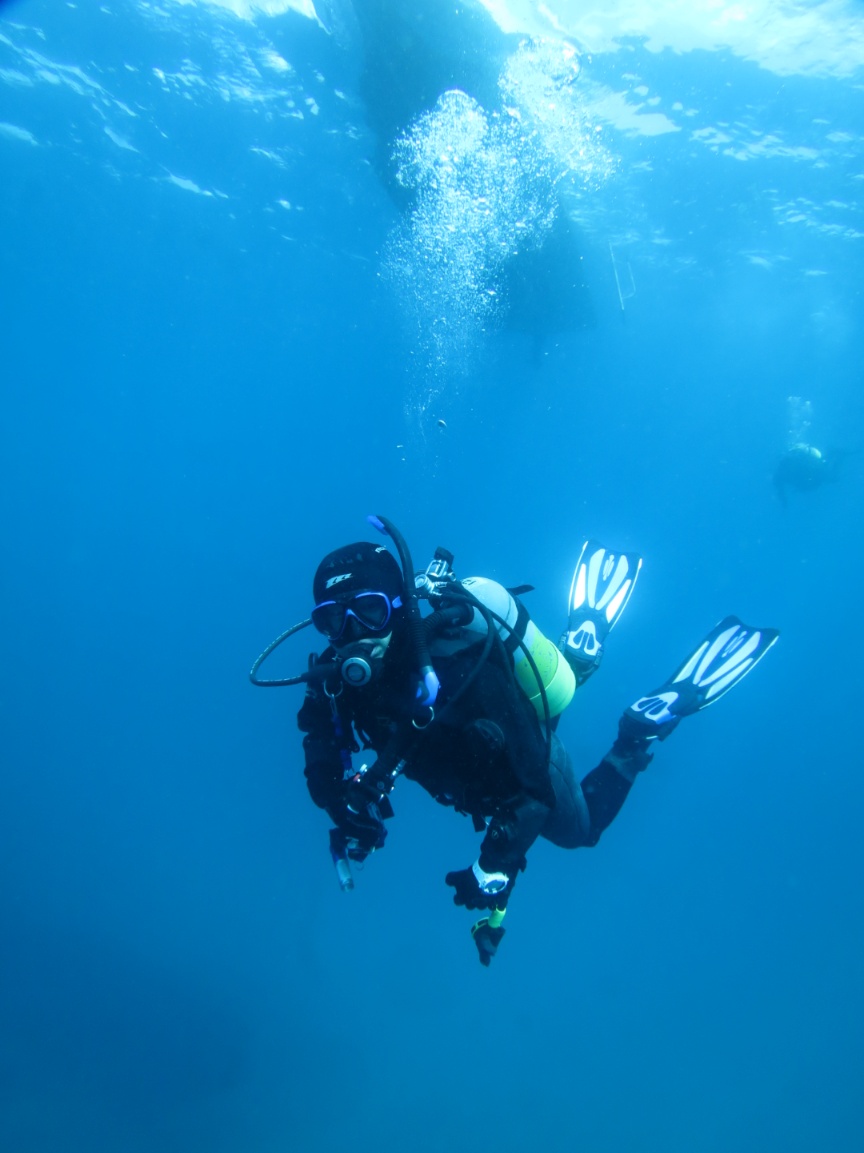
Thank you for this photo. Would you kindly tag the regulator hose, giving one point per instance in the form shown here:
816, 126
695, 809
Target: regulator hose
427, 689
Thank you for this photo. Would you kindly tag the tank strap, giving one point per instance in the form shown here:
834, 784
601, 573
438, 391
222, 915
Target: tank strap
515, 635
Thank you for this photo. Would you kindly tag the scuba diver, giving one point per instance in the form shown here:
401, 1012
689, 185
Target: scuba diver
465, 700
803, 468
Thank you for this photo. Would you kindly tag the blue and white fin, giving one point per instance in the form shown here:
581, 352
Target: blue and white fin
729, 652
602, 584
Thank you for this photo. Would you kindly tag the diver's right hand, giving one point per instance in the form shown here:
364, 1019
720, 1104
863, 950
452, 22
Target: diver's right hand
367, 830
364, 789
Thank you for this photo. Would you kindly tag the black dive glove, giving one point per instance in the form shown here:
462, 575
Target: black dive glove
365, 828
361, 811
477, 889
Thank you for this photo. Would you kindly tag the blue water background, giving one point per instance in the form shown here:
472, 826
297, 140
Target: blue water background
201, 397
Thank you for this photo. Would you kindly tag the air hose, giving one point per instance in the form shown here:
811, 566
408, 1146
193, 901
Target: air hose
427, 689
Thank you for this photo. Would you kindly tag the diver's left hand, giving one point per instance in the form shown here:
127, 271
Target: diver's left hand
476, 889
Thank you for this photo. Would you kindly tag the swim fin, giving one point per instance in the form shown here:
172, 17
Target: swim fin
602, 584
727, 654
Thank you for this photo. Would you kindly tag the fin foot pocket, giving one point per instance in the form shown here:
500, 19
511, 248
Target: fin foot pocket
603, 582
727, 654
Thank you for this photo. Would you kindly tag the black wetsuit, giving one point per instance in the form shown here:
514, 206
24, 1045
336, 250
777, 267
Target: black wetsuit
485, 754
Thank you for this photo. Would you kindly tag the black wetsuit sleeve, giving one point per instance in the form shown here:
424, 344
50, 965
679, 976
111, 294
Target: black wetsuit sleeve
517, 783
323, 768
512, 831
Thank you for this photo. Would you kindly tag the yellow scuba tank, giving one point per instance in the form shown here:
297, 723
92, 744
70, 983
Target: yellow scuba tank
558, 678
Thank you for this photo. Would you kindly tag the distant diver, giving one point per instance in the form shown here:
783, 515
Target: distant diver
803, 468
465, 698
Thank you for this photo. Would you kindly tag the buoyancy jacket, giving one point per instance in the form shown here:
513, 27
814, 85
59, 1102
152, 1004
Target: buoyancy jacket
484, 753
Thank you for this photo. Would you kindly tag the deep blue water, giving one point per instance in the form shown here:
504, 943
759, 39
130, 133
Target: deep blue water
211, 376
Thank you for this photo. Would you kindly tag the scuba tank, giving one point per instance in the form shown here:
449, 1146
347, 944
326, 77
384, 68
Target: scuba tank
516, 630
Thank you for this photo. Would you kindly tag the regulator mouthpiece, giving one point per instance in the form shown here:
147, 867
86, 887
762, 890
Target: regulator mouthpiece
356, 671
